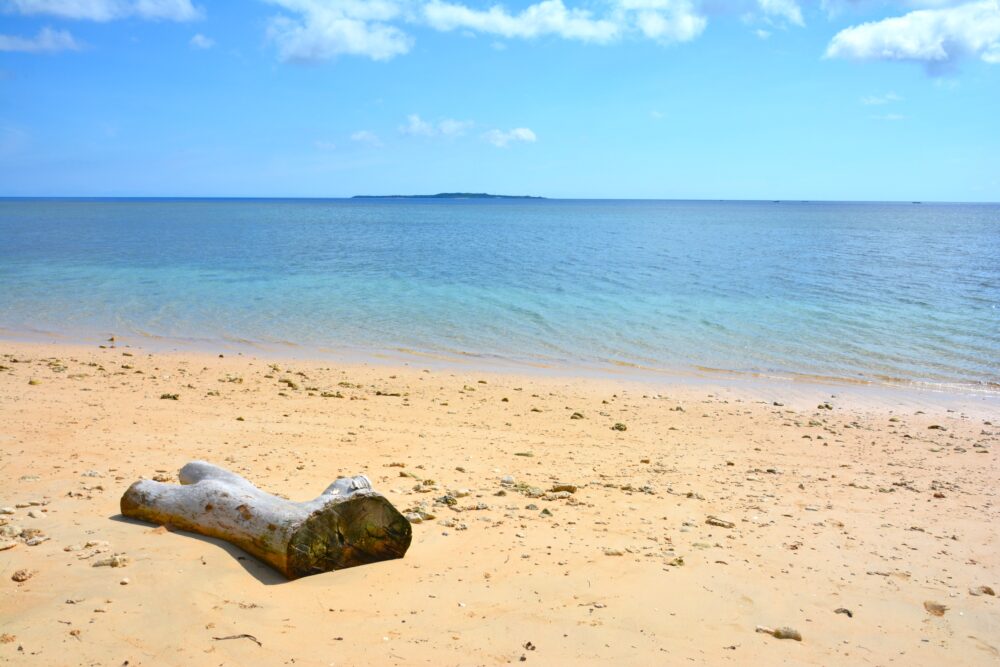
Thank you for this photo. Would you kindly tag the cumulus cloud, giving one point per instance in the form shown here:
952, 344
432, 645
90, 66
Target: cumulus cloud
502, 139
366, 137
549, 17
200, 41
788, 10
313, 30
662, 20
107, 10
417, 127
936, 37
449, 127
46, 41
320, 30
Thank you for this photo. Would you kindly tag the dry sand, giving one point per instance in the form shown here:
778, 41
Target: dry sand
862, 506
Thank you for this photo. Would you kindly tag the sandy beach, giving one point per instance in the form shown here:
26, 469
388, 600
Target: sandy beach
853, 518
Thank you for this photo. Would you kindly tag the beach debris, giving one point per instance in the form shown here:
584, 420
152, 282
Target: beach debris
7, 639
115, 560
843, 610
619, 427
21, 575
241, 636
934, 608
348, 524
783, 632
576, 415
560, 488
981, 590
721, 523
170, 397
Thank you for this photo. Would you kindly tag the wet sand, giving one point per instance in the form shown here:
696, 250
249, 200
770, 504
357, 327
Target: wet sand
881, 503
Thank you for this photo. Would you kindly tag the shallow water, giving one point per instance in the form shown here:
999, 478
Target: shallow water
865, 291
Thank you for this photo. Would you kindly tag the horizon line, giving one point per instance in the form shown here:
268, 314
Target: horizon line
534, 198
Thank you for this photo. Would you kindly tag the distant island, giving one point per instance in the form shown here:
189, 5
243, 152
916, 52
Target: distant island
448, 195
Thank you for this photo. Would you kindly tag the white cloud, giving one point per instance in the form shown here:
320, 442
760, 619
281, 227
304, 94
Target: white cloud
366, 137
449, 127
761, 33
932, 36
108, 10
46, 41
417, 127
313, 30
788, 10
502, 139
878, 100
200, 41
322, 30
549, 17
662, 20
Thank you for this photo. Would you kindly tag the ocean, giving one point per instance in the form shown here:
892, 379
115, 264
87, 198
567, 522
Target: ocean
873, 292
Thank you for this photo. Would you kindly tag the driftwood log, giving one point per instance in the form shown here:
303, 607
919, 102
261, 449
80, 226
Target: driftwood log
349, 524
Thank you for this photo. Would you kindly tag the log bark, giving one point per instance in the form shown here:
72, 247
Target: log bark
348, 524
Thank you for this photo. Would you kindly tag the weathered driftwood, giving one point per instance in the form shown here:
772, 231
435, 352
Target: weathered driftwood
349, 524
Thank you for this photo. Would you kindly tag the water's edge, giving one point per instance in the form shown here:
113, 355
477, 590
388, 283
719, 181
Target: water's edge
692, 376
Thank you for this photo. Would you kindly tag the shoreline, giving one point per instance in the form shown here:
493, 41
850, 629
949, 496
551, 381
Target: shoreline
749, 382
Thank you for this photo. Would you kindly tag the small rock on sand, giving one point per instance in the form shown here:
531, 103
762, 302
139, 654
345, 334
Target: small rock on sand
21, 575
118, 560
934, 608
783, 632
982, 590
721, 523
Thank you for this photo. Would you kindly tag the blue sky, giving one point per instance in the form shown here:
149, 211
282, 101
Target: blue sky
714, 99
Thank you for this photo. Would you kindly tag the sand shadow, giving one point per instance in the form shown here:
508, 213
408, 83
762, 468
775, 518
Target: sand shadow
263, 573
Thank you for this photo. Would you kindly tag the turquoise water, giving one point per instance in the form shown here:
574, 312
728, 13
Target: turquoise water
881, 292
